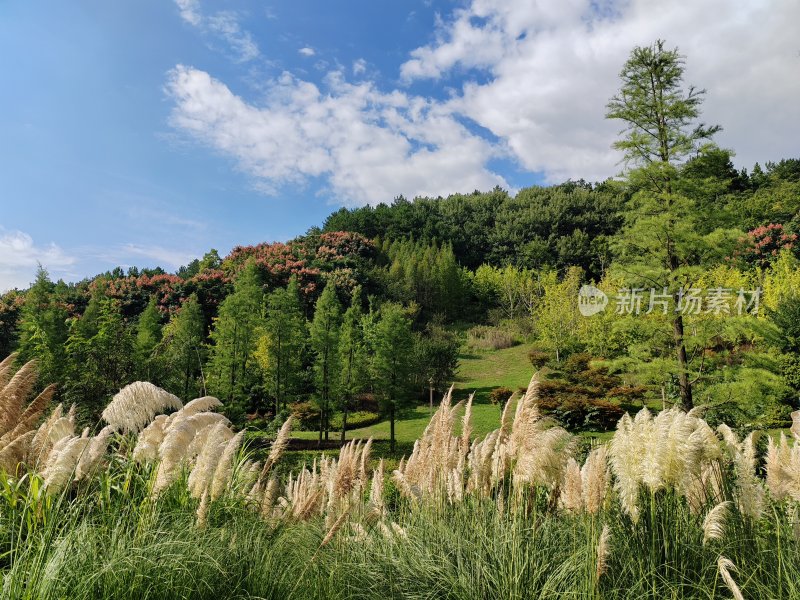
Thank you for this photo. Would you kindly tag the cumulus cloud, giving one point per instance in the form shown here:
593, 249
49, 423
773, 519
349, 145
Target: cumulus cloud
306, 51
535, 75
370, 146
553, 65
20, 257
223, 25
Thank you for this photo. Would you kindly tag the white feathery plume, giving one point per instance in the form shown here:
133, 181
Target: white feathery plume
172, 453
796, 424
725, 567
93, 453
206, 465
278, 446
222, 474
62, 462
376, 490
571, 497
595, 479
603, 550
466, 425
135, 405
149, 440
714, 523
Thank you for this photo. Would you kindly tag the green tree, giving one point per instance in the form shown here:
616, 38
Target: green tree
183, 351
324, 332
148, 337
234, 336
100, 357
354, 374
660, 242
393, 361
280, 345
43, 329
436, 353
556, 316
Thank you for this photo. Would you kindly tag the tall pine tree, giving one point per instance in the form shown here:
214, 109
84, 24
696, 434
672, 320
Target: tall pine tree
235, 334
280, 345
393, 361
324, 335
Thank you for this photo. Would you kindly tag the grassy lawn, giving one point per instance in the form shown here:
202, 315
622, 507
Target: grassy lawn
410, 425
480, 371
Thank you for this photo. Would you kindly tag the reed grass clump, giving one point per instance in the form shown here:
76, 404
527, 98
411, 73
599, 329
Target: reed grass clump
168, 501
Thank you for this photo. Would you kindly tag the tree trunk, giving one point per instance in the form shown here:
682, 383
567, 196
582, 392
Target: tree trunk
430, 389
344, 420
683, 364
321, 422
391, 427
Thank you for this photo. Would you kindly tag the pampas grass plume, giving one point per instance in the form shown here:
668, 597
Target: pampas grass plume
135, 405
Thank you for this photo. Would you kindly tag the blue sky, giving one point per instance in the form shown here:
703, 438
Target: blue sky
144, 132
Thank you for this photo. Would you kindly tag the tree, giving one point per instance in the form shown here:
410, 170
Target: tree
393, 361
324, 337
354, 374
148, 336
280, 345
660, 243
556, 316
437, 358
43, 329
183, 350
235, 334
100, 357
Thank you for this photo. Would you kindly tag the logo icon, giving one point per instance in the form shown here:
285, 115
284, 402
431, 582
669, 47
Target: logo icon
591, 300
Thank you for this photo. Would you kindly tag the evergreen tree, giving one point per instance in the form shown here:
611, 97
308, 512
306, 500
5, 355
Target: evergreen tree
100, 357
660, 242
324, 333
148, 336
281, 343
183, 350
393, 361
234, 336
43, 330
354, 374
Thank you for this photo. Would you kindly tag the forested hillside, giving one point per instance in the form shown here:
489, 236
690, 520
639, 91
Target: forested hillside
365, 316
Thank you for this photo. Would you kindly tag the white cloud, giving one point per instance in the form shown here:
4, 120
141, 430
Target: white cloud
553, 65
19, 259
223, 25
547, 70
226, 26
370, 146
190, 11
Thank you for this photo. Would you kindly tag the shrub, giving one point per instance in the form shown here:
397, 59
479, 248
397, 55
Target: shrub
306, 413
500, 395
578, 411
628, 393
538, 358
490, 338
355, 420
577, 363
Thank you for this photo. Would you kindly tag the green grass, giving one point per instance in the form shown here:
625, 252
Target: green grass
480, 371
